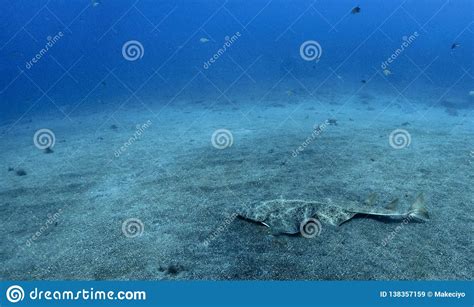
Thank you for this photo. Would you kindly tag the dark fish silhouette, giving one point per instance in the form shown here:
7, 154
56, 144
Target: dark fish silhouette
355, 10
363, 81
455, 45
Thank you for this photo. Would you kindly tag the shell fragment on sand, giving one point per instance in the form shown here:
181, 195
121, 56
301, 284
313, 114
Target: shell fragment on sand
285, 216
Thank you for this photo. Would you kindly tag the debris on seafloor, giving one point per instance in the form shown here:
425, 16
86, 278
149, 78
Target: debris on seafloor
20, 172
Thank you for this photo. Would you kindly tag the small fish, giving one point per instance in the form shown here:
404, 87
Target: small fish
387, 72
204, 40
455, 45
95, 3
355, 10
363, 81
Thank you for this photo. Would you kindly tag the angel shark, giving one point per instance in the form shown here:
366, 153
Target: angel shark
288, 216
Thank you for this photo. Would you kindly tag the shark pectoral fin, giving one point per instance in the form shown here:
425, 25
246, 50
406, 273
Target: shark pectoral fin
370, 201
392, 205
418, 209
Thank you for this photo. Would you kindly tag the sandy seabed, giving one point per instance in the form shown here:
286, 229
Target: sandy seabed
157, 169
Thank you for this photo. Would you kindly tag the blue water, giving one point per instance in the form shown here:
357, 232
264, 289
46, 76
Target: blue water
85, 68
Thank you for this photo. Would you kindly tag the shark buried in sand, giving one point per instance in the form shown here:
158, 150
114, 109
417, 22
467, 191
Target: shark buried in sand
288, 216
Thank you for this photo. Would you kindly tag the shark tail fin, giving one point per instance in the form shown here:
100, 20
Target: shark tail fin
418, 209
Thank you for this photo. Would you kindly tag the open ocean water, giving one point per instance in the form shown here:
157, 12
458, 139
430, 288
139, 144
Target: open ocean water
135, 133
